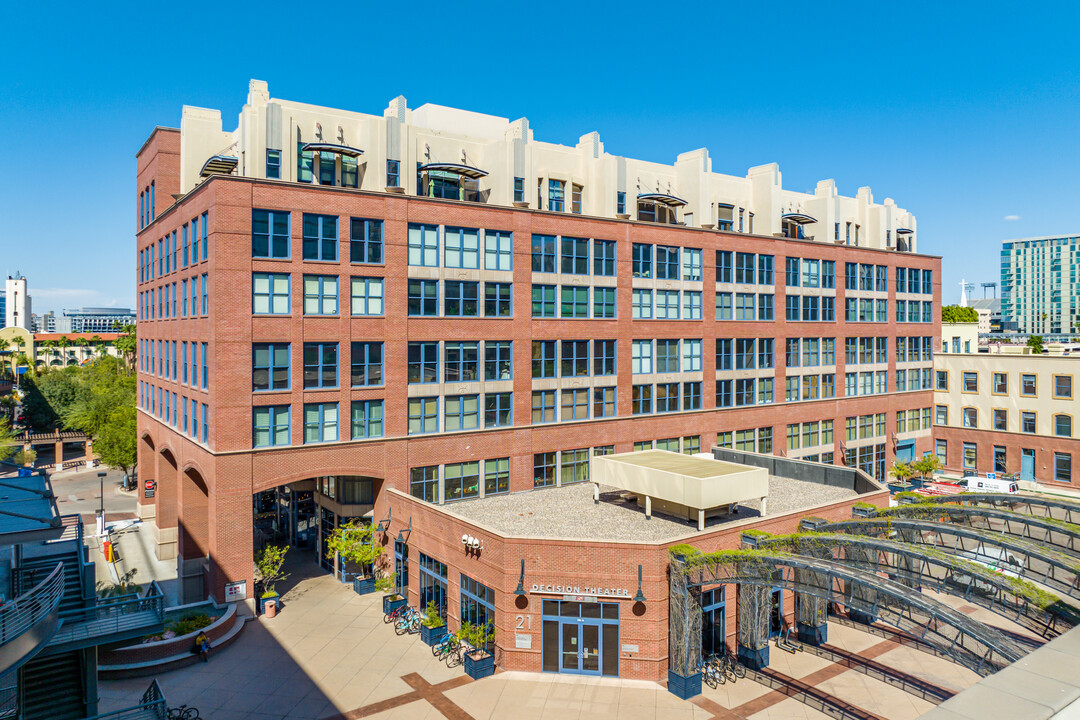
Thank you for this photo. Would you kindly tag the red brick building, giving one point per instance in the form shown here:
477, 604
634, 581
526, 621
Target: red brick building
343, 341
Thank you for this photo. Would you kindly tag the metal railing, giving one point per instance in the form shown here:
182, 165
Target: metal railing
73, 529
32, 607
151, 707
112, 617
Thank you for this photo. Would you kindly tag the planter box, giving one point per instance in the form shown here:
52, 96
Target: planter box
363, 586
430, 636
390, 603
477, 668
754, 658
812, 634
683, 686
262, 601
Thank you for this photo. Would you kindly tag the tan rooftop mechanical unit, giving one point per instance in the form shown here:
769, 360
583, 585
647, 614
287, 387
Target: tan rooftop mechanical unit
682, 486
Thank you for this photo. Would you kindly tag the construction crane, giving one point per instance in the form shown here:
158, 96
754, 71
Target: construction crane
989, 285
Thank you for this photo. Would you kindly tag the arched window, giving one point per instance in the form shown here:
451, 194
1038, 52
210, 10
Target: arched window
1063, 425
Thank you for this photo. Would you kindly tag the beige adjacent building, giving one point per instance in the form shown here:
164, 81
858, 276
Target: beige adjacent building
1007, 410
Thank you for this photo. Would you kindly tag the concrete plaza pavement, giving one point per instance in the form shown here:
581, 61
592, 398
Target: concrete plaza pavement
328, 654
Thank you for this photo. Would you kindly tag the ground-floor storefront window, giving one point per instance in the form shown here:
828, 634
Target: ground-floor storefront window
432, 583
477, 603
713, 622
581, 638
401, 567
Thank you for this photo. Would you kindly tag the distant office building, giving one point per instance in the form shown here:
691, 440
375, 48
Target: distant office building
93, 320
1039, 288
3, 309
17, 305
43, 323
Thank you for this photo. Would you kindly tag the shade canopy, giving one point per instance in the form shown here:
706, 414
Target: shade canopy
219, 165
473, 173
799, 218
662, 199
904, 231
332, 148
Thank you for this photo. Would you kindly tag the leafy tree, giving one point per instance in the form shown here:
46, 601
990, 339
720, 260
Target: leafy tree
1035, 342
927, 465
901, 471
268, 564
354, 541
7, 439
25, 457
127, 344
958, 314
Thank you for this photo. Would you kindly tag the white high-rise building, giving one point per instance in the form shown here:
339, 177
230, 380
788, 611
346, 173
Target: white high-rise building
17, 303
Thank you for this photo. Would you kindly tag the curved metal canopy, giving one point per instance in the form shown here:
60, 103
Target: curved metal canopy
473, 173
333, 148
669, 200
219, 165
904, 231
800, 218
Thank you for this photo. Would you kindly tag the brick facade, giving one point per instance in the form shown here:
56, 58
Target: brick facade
204, 489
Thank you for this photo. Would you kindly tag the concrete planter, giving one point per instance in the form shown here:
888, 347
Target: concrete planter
754, 658
683, 686
812, 634
390, 603
431, 635
480, 667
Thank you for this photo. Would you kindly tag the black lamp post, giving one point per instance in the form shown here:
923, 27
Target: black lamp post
101, 478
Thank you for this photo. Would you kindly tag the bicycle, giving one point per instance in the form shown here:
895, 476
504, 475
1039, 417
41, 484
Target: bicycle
732, 667
711, 672
183, 712
394, 614
445, 646
456, 656
409, 622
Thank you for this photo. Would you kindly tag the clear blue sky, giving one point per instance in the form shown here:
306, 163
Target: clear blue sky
964, 113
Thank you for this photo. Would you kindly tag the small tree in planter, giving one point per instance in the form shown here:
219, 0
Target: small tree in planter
478, 661
355, 542
268, 564
25, 458
432, 627
387, 583
926, 466
902, 472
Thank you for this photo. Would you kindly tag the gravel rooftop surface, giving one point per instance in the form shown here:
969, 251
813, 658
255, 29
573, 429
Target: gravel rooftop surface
569, 512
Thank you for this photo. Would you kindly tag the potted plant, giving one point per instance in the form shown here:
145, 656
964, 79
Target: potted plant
902, 472
479, 662
432, 627
354, 542
268, 563
392, 600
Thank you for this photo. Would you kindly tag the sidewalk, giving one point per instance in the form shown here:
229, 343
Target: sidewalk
135, 551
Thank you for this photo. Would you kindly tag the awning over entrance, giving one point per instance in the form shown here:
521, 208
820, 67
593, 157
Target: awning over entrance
798, 218
332, 148
219, 165
904, 231
467, 171
662, 199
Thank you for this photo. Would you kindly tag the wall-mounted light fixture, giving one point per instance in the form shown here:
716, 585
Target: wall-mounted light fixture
404, 533
384, 525
640, 597
520, 589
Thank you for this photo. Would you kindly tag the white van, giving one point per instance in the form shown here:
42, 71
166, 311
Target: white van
993, 485
999, 560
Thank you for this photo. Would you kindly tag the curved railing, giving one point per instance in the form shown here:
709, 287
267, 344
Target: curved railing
29, 621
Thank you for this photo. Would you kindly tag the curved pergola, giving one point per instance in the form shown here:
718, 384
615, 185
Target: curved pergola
983, 649
1038, 563
1057, 533
917, 566
1068, 511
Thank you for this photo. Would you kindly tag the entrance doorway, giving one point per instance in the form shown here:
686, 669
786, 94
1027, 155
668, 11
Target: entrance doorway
1027, 464
581, 638
776, 613
713, 622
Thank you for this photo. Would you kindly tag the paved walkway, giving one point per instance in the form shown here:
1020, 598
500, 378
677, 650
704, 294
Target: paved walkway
328, 655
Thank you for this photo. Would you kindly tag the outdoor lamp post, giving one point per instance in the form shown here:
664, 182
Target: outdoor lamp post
101, 510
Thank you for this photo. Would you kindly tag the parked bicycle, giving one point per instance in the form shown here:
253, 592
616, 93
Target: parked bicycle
731, 667
407, 622
712, 672
183, 712
394, 614
444, 647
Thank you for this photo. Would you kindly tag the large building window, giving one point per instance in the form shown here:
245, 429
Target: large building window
269, 293
423, 362
365, 241
575, 358
424, 483
543, 301
1063, 425
367, 296
575, 301
575, 256
423, 415
641, 399
461, 362
498, 360
462, 248
320, 237
544, 249
461, 480
461, 299
604, 258
498, 250
603, 402
544, 360
496, 476
544, 469
270, 425
424, 297
641, 308
477, 601
575, 405
367, 363
320, 365
1063, 467
1028, 385
1063, 387
575, 466
320, 422
461, 412
424, 245
320, 295
367, 419
1027, 422
604, 302
498, 410
269, 234
269, 367
543, 406
432, 583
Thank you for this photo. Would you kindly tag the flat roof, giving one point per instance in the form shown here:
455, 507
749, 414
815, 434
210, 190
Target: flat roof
28, 511
679, 463
569, 513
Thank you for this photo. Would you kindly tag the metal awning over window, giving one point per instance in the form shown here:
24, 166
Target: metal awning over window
798, 218
219, 165
332, 148
467, 171
904, 231
662, 199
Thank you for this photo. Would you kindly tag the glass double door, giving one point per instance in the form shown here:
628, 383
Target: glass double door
580, 647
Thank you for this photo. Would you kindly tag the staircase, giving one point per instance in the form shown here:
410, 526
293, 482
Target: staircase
52, 688
34, 569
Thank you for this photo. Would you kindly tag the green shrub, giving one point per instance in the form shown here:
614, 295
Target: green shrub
190, 623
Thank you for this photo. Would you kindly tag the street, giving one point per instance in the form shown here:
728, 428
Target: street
80, 493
